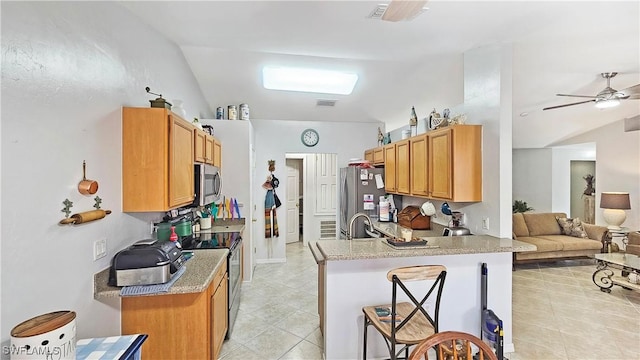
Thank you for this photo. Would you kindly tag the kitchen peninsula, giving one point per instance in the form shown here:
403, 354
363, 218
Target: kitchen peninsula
352, 274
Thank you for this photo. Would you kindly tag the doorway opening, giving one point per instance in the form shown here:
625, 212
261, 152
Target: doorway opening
583, 203
311, 197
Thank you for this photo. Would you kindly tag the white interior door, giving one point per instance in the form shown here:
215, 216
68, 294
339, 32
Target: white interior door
293, 208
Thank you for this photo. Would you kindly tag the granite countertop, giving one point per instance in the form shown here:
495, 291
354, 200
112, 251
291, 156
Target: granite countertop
197, 277
440, 245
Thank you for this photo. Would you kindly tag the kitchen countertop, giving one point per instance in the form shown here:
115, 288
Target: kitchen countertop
197, 277
445, 245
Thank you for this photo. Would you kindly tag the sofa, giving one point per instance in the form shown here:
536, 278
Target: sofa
633, 246
574, 239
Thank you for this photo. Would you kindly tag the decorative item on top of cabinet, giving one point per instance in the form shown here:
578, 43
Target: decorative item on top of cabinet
380, 137
157, 160
159, 102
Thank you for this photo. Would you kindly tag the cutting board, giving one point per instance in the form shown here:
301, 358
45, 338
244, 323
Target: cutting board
410, 217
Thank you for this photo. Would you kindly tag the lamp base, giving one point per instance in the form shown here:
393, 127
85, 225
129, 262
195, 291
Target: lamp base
614, 218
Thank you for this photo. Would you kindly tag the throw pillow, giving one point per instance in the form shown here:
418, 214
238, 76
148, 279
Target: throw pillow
572, 227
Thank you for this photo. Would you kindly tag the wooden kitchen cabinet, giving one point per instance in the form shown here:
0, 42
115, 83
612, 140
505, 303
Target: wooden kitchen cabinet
403, 167
455, 163
390, 168
217, 153
203, 149
418, 160
396, 167
219, 320
368, 155
180, 326
157, 160
378, 156
375, 156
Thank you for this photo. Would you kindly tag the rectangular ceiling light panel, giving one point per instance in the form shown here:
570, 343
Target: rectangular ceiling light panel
308, 80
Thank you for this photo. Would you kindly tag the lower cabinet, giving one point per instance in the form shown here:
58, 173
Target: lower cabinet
219, 321
180, 326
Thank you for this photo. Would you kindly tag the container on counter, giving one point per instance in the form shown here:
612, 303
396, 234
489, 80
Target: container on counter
385, 215
232, 112
219, 113
244, 112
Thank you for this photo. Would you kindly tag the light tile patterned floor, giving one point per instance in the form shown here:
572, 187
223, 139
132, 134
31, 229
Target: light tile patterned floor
558, 313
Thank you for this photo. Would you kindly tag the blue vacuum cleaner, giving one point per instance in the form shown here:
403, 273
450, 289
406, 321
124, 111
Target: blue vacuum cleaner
492, 331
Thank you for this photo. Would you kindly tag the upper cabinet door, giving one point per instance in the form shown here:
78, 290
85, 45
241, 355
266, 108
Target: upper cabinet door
209, 149
157, 160
181, 185
390, 168
403, 172
199, 137
217, 153
419, 179
440, 171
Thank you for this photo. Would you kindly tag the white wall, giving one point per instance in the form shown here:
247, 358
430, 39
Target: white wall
617, 166
237, 169
67, 69
532, 180
487, 101
275, 138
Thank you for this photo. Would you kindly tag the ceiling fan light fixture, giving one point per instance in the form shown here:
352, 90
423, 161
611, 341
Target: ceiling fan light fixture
608, 103
308, 80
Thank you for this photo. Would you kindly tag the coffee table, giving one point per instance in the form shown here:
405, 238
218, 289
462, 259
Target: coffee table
604, 276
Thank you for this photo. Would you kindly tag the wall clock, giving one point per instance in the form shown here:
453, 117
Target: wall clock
310, 137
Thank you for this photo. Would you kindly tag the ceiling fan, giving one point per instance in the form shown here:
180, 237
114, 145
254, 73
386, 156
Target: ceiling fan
399, 10
606, 98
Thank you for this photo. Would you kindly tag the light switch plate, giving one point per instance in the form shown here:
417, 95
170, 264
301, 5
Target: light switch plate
99, 249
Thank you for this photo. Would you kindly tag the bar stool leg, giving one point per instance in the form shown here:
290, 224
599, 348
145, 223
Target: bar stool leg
364, 347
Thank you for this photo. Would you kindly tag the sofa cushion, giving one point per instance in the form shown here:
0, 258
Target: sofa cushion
519, 226
543, 223
572, 227
569, 243
543, 245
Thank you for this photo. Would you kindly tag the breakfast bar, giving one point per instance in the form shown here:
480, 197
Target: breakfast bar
352, 274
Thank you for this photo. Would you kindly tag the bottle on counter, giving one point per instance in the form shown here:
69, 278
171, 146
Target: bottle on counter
384, 210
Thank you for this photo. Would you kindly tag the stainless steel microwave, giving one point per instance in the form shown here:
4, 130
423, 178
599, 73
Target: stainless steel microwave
208, 184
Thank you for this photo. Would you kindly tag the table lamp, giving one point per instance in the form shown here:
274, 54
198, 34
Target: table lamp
614, 205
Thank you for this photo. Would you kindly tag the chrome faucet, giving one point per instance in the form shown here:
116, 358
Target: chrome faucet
353, 221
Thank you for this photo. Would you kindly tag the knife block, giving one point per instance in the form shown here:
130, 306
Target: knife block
411, 218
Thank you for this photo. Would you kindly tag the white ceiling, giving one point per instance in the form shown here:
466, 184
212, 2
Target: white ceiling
559, 47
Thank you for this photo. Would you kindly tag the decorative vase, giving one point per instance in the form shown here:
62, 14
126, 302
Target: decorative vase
178, 109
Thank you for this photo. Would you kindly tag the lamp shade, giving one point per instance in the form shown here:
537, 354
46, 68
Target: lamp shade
615, 200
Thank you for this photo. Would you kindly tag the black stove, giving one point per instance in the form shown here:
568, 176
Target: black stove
211, 240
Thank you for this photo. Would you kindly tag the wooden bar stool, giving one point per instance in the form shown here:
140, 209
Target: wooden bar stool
406, 323
453, 345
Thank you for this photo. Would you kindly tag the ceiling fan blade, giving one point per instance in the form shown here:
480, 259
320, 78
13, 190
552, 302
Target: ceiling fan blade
399, 10
632, 92
561, 106
584, 96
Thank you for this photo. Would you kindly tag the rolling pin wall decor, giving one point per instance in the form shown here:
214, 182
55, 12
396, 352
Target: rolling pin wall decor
85, 187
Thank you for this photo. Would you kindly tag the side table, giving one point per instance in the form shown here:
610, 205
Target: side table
621, 233
125, 347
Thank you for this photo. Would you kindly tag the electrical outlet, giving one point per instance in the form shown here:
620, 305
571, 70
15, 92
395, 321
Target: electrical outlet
99, 249
485, 223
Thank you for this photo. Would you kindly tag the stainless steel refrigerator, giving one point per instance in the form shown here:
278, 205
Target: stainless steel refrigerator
355, 183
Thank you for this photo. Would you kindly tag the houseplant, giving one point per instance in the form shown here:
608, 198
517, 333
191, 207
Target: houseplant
520, 206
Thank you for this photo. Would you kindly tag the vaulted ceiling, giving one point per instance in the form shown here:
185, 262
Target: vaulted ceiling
558, 47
